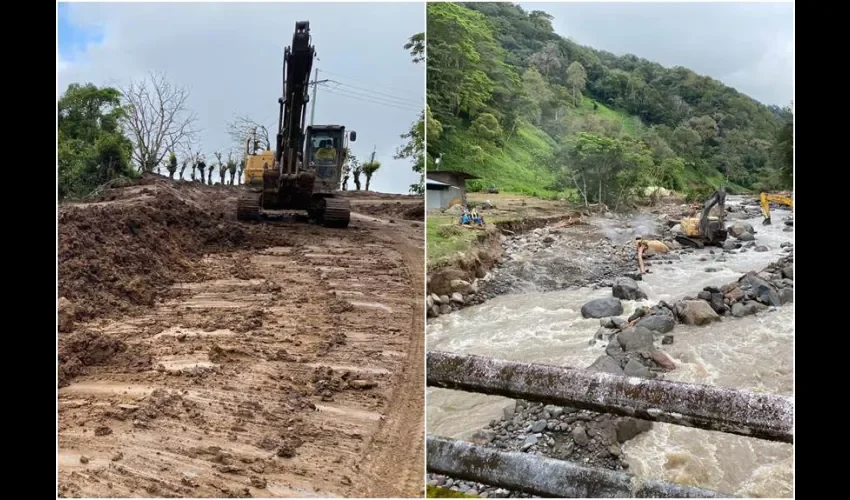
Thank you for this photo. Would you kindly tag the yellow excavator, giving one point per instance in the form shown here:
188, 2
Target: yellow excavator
705, 229
776, 198
304, 170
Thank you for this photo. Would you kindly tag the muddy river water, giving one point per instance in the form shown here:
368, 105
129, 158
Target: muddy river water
754, 353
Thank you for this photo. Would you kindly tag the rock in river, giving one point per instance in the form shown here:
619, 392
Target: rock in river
660, 323
602, 308
695, 312
627, 289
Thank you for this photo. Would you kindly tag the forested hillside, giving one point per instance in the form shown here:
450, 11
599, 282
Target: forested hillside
529, 111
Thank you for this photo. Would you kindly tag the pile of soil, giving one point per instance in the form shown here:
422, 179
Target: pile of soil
81, 349
397, 210
124, 253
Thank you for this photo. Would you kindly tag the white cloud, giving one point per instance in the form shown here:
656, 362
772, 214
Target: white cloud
230, 56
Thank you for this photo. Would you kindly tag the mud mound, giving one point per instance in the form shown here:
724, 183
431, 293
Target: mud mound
83, 349
117, 255
390, 210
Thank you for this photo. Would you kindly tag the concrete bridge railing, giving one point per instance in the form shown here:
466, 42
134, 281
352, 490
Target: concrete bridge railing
756, 415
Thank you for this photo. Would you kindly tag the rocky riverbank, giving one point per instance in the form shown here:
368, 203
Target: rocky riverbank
594, 439
567, 253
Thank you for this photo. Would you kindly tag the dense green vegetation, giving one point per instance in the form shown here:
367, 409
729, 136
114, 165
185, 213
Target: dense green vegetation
92, 148
514, 103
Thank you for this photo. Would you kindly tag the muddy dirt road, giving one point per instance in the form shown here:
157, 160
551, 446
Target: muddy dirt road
293, 370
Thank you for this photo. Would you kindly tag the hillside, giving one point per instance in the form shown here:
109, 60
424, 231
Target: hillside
531, 112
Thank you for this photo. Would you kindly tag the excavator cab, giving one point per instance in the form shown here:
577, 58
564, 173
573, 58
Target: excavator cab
325, 154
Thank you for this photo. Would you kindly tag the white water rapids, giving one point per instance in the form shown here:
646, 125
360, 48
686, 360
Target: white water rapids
752, 353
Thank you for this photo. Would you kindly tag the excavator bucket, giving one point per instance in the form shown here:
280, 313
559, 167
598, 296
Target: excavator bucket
766, 221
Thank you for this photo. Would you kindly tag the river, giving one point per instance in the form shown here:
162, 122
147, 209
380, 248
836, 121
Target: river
753, 353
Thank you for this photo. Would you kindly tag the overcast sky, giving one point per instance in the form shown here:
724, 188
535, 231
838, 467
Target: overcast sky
230, 55
748, 46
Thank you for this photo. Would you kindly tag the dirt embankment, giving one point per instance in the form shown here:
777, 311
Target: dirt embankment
459, 275
204, 357
122, 253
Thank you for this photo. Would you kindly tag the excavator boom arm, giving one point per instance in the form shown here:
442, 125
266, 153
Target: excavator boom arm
718, 198
297, 65
777, 198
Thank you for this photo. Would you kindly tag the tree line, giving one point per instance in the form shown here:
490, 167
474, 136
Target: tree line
107, 133
494, 68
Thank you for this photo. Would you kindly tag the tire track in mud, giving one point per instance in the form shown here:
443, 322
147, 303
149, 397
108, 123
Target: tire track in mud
305, 380
398, 471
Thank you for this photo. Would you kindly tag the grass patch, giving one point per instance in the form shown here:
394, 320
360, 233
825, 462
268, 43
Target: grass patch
631, 125
445, 237
522, 165
437, 492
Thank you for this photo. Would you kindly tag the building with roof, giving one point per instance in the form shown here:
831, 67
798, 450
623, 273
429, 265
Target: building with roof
445, 188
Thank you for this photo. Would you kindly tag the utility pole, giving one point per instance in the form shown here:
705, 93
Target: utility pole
315, 88
373, 154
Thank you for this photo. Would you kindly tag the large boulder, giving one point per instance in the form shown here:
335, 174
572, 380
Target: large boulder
606, 364
738, 228
660, 323
747, 308
635, 339
695, 312
764, 291
602, 308
627, 289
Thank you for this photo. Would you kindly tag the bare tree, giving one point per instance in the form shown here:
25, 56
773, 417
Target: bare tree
158, 119
183, 167
241, 128
201, 165
240, 171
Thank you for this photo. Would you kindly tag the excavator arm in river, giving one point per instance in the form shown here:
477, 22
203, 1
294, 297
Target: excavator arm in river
776, 198
707, 229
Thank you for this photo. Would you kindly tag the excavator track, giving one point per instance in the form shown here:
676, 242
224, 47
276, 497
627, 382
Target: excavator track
336, 212
248, 207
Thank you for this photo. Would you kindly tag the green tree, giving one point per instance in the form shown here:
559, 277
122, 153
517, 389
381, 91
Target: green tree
172, 164
606, 169
535, 96
369, 168
414, 148
486, 127
457, 82
416, 46
577, 80
92, 149
548, 59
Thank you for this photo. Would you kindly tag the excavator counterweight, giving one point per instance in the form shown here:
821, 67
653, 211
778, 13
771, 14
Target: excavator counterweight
304, 170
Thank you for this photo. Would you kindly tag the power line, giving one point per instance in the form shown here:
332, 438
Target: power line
381, 99
371, 84
405, 100
373, 100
